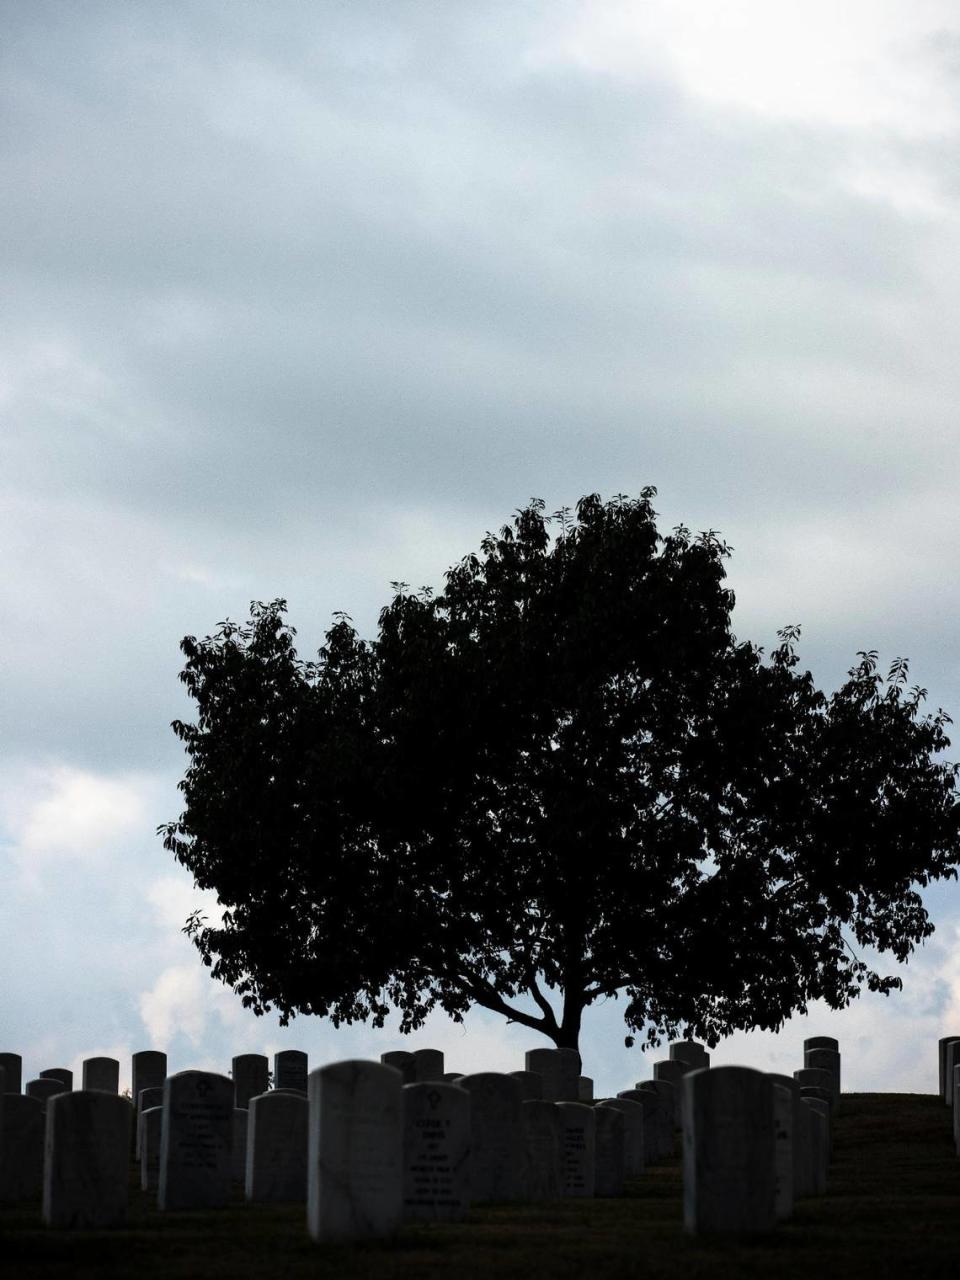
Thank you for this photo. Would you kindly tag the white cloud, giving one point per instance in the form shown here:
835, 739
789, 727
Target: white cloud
863, 64
178, 1003
186, 1005
59, 812
175, 897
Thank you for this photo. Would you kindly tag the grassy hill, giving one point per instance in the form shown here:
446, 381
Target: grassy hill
892, 1210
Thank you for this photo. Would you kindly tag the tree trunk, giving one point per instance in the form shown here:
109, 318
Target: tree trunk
568, 1033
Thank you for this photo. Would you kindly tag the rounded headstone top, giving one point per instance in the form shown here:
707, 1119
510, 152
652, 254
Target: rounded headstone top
671, 1069
814, 1078
787, 1081
439, 1088
428, 1064
821, 1042
45, 1087
58, 1073
400, 1060
826, 1059
12, 1065
278, 1099
665, 1088
809, 1096
689, 1051
491, 1080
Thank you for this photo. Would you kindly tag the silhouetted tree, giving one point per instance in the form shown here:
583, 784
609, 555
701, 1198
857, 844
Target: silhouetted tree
562, 777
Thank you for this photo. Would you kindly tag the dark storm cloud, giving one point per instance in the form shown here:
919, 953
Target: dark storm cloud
279, 284
235, 222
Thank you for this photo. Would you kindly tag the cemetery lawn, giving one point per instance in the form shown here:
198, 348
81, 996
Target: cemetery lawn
892, 1210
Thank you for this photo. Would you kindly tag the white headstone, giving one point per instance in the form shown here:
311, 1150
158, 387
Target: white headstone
800, 1161
657, 1125
729, 1151
817, 1146
151, 1126
821, 1042
689, 1051
86, 1160
559, 1070
496, 1137
147, 1099
63, 1074
825, 1060
578, 1148
355, 1151
632, 1113
956, 1108
238, 1153
585, 1089
196, 1141
436, 1152
12, 1066
531, 1085
540, 1124
403, 1062
783, 1103
813, 1078
290, 1070
427, 1065
102, 1074
610, 1168
148, 1070
944, 1041
545, 1063
671, 1069
21, 1148
251, 1077
822, 1141
277, 1148
952, 1060
44, 1090
669, 1094
571, 1068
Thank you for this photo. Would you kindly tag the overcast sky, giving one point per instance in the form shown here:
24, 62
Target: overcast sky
299, 299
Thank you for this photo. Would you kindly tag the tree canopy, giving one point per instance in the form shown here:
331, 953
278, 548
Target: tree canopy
559, 778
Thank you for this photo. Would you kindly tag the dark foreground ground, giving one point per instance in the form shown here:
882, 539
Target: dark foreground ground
892, 1210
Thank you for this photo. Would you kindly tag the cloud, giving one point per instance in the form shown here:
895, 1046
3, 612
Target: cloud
866, 64
175, 897
200, 1021
181, 1004
56, 812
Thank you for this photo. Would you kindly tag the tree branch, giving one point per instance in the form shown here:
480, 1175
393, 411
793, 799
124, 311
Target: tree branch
540, 998
486, 995
598, 989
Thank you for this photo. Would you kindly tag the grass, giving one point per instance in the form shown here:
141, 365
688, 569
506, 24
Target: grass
892, 1210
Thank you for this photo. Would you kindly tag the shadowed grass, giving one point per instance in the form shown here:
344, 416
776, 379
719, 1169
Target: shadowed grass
893, 1209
